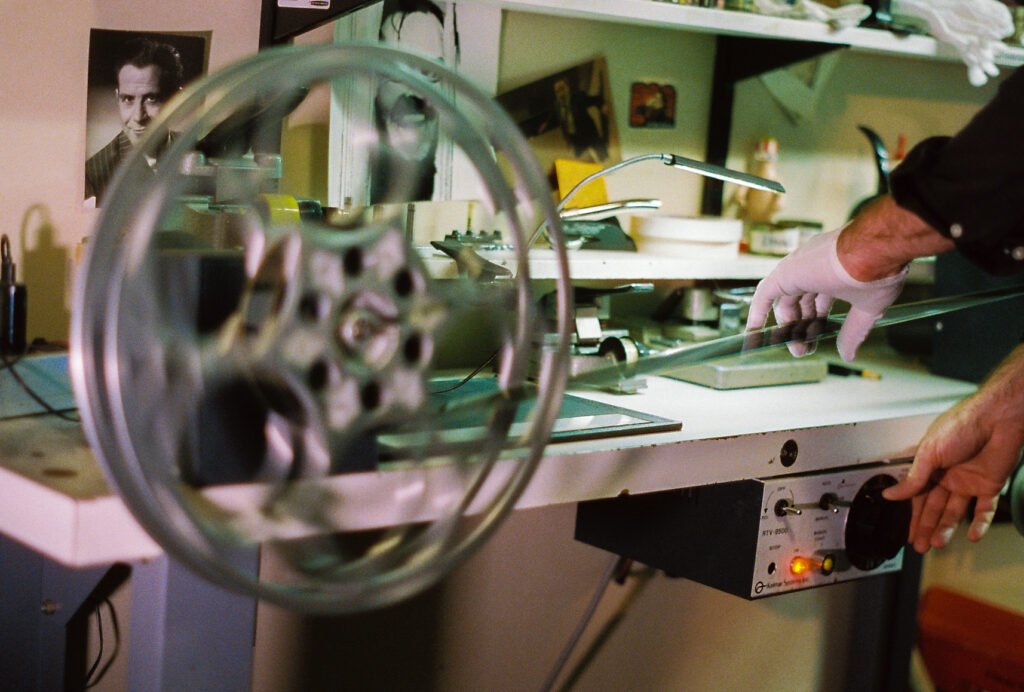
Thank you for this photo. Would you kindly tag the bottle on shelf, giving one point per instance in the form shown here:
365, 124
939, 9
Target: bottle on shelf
757, 207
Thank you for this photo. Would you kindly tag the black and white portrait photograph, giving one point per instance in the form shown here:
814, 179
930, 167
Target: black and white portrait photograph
132, 75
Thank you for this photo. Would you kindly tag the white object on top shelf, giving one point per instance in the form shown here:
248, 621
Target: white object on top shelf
689, 237
616, 265
709, 20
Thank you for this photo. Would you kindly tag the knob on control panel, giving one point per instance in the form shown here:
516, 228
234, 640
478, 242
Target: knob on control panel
876, 528
831, 502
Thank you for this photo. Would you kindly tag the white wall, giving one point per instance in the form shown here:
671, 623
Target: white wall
918, 98
535, 46
44, 51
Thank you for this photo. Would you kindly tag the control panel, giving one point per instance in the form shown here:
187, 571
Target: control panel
759, 537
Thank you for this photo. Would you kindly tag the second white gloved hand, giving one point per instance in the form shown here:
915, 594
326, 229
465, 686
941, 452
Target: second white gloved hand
806, 283
974, 28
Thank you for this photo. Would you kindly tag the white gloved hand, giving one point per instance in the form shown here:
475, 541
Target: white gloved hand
974, 28
805, 284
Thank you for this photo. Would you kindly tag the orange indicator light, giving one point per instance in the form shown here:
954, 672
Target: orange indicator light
801, 566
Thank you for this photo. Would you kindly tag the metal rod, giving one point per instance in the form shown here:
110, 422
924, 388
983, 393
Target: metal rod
608, 208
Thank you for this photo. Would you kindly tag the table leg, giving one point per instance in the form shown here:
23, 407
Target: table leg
39, 649
186, 633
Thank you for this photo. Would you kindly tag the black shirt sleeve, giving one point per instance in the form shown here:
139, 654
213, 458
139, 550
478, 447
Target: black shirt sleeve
970, 187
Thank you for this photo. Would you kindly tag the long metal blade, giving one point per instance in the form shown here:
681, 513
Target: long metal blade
806, 331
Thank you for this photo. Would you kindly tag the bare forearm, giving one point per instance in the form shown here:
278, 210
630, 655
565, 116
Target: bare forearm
884, 238
1001, 395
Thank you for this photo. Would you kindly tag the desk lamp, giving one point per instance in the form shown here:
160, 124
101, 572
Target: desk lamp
709, 170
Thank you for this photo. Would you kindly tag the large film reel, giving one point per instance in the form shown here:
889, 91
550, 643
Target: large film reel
253, 375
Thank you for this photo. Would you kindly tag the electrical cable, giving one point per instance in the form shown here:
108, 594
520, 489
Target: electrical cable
617, 565
9, 365
467, 378
114, 625
642, 578
99, 653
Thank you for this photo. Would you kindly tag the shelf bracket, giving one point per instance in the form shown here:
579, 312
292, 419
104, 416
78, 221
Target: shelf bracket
738, 58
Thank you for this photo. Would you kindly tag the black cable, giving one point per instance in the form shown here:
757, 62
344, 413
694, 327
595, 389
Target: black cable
616, 565
9, 365
99, 652
467, 378
608, 629
114, 625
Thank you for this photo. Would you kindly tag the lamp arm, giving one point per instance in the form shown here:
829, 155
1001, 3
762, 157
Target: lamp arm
586, 181
692, 165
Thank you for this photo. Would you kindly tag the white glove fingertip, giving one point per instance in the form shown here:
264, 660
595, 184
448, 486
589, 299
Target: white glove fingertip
758, 314
849, 340
847, 346
852, 334
976, 76
797, 349
761, 304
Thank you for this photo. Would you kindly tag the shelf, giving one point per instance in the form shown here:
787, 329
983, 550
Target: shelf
606, 265
715, 21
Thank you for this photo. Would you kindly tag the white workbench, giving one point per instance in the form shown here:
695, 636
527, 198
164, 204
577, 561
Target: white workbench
57, 502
